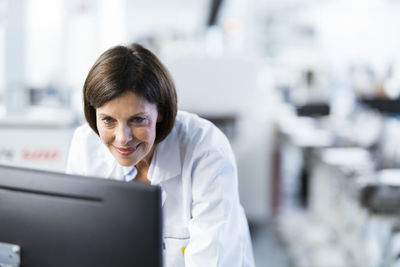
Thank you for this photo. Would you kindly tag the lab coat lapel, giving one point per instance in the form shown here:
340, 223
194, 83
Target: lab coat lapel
168, 162
168, 159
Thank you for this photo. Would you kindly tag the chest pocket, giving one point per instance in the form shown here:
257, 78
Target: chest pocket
175, 241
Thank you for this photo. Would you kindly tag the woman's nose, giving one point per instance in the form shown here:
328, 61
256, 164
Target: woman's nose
124, 135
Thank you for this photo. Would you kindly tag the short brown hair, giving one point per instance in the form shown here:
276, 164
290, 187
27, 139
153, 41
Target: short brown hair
121, 69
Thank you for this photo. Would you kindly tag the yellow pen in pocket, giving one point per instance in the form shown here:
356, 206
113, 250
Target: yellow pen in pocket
183, 251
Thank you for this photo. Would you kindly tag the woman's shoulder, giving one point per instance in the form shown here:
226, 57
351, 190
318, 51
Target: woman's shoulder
199, 131
191, 124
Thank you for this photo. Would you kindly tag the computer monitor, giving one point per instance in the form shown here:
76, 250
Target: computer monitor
64, 220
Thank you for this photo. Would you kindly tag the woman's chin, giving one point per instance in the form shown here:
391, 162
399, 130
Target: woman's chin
125, 161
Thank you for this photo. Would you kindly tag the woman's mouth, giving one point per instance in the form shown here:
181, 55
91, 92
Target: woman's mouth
126, 151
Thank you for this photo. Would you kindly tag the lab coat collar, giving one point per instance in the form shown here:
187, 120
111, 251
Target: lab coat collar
168, 161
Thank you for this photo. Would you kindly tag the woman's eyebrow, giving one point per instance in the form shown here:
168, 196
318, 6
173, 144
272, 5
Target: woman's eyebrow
104, 115
140, 114
130, 117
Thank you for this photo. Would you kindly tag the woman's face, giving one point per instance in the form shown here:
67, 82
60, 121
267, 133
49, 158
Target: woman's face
127, 126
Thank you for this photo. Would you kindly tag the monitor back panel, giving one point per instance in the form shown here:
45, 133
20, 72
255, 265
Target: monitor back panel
61, 220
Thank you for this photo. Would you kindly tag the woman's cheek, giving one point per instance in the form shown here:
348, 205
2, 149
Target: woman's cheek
143, 134
106, 136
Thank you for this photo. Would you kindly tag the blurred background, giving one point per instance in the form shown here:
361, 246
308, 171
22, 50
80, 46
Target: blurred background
307, 91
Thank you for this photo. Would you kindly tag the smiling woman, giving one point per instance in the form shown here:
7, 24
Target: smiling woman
127, 126
134, 132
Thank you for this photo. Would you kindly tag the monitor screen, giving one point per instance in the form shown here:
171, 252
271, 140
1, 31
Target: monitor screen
64, 220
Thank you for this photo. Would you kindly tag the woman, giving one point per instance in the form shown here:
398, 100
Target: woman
134, 132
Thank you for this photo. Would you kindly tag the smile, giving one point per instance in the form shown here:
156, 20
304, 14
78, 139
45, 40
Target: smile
126, 151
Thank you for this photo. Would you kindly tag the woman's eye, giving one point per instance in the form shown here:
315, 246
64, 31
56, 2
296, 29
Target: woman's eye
138, 119
108, 120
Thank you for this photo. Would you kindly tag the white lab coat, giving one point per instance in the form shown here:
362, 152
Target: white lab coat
204, 223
